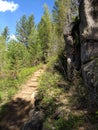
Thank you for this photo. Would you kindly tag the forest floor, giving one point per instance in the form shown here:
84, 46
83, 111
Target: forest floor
17, 111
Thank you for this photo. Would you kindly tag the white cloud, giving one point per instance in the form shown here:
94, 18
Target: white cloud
8, 6
13, 37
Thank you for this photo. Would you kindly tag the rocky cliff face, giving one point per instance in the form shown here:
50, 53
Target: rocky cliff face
82, 48
89, 47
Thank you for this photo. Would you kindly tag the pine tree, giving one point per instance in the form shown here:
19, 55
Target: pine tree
18, 57
5, 33
3, 56
44, 29
34, 47
23, 28
60, 13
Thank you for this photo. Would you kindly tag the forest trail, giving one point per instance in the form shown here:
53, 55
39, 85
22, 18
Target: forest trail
17, 110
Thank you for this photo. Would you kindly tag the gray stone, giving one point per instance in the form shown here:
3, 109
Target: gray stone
89, 19
90, 76
89, 51
36, 122
90, 73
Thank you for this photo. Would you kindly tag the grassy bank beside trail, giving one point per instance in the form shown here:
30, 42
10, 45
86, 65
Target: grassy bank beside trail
53, 99
9, 86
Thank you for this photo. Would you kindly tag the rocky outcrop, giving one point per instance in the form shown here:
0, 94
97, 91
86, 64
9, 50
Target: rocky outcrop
81, 39
69, 51
89, 48
71, 36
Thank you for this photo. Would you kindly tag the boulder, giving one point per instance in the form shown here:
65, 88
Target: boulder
36, 121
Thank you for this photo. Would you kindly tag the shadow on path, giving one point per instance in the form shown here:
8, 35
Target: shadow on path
15, 114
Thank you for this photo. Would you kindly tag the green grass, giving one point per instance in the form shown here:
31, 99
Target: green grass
26, 72
49, 91
48, 95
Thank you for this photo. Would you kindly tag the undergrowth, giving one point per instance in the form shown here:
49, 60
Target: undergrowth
54, 100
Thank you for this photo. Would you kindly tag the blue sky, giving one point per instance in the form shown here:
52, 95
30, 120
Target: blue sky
12, 10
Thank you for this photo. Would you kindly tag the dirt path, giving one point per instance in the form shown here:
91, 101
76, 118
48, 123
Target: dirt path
18, 108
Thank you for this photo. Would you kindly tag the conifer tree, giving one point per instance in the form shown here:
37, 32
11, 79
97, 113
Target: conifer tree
3, 56
34, 47
18, 57
44, 29
23, 28
60, 13
5, 33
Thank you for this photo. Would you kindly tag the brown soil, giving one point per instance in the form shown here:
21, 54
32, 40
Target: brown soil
17, 110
